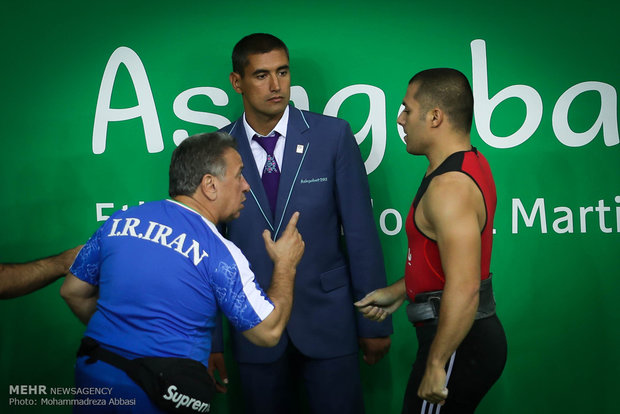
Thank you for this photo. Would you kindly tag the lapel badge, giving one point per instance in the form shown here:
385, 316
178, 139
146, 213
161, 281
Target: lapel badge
300, 149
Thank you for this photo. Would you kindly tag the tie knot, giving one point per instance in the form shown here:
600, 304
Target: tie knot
269, 142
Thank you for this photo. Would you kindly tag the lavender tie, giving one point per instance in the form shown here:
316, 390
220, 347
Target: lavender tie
271, 172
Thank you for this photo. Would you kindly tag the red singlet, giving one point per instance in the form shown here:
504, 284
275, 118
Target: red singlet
423, 271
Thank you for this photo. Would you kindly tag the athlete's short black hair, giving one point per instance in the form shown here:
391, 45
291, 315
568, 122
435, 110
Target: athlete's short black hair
449, 90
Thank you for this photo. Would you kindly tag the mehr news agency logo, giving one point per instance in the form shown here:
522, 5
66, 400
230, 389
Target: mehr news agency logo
42, 395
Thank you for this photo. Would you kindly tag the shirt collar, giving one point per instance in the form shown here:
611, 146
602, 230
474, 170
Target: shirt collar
281, 127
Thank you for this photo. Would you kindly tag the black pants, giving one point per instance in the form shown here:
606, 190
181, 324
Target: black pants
473, 369
332, 386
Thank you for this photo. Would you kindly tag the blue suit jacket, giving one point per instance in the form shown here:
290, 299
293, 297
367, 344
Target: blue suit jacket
322, 177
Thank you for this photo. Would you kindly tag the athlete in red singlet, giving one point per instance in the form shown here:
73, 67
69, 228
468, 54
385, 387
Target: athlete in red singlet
461, 342
423, 270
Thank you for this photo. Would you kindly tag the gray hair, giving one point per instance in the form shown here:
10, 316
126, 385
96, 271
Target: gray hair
196, 156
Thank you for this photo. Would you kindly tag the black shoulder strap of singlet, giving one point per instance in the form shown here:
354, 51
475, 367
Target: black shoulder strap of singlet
454, 162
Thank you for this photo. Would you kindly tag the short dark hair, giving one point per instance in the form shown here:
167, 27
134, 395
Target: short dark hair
251, 45
449, 90
196, 156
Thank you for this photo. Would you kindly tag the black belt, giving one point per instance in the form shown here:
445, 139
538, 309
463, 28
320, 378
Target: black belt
175, 385
425, 307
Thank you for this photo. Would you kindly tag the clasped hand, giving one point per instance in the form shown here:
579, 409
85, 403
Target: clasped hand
380, 303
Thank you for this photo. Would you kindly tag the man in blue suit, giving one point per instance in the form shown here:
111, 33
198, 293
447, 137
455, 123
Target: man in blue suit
320, 173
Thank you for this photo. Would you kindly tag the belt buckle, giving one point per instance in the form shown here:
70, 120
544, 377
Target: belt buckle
435, 302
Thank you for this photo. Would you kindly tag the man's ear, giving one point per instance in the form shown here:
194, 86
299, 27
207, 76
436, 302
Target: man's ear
208, 186
235, 81
436, 116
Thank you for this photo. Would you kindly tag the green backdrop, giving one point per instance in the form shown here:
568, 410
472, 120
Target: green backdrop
545, 75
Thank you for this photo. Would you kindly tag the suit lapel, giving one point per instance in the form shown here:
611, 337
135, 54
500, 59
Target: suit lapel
250, 170
294, 152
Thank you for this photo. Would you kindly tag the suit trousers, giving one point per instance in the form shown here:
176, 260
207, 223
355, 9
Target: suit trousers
326, 386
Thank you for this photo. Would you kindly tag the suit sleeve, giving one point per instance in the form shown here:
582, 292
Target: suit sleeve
360, 231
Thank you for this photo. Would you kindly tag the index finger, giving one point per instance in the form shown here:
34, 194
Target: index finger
292, 222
